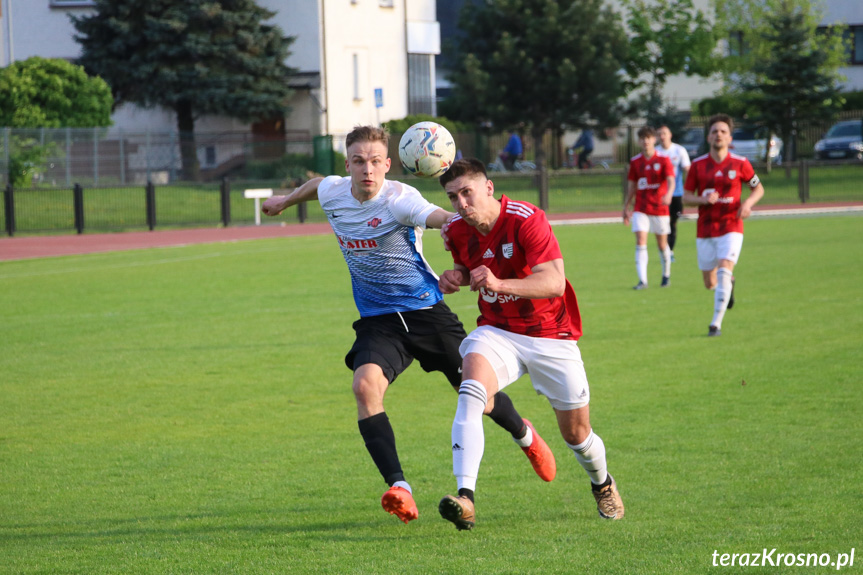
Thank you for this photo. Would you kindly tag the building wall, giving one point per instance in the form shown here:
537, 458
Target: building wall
364, 49
849, 13
37, 30
330, 36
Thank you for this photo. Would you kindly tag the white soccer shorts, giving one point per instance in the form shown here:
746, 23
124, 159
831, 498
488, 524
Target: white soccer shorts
712, 250
642, 222
554, 365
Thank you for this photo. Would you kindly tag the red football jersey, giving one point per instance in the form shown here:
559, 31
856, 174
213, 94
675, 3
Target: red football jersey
651, 183
521, 239
726, 178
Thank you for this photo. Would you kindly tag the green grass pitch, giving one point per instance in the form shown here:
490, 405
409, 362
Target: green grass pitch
187, 410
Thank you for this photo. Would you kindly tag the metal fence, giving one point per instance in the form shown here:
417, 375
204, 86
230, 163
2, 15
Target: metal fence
59, 158
103, 157
87, 208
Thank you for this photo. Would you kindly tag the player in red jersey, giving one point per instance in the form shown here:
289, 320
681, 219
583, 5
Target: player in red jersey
651, 184
715, 184
529, 323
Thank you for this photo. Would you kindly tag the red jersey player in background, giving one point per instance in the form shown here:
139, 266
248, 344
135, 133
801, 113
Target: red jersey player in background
651, 183
529, 323
715, 183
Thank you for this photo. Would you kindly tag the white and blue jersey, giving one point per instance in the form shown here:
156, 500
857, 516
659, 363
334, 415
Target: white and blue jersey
381, 241
680, 160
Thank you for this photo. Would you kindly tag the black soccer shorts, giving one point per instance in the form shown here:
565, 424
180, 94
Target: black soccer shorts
392, 341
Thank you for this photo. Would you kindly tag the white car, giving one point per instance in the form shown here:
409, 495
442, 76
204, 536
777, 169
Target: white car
751, 143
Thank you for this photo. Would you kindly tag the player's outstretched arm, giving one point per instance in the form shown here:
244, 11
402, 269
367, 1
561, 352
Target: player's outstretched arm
546, 280
277, 204
438, 218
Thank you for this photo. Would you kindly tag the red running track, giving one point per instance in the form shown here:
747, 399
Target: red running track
19, 248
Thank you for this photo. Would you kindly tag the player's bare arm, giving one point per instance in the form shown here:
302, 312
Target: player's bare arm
438, 219
689, 197
630, 194
746, 207
547, 280
277, 204
451, 280
666, 199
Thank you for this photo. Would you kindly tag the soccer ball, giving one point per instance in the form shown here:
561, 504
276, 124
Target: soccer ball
427, 150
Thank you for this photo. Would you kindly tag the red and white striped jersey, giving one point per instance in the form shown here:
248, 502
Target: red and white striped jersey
651, 183
520, 239
726, 178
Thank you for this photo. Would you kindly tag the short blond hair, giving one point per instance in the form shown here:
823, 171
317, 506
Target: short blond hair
367, 134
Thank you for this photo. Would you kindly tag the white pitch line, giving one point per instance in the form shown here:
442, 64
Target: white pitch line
764, 213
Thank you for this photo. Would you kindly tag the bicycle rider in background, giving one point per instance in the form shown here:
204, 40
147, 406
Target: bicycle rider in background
512, 152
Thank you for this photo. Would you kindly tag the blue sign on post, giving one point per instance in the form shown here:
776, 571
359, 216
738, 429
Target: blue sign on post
379, 97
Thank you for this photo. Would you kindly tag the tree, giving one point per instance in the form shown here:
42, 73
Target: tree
667, 37
783, 67
47, 93
542, 64
195, 57
52, 93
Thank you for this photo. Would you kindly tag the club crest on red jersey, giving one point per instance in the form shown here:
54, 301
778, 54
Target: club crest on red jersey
507, 250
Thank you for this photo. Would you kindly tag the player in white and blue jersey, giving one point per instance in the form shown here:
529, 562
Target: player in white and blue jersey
379, 226
680, 160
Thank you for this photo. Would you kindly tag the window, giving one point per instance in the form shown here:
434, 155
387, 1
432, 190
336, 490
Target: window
356, 67
421, 98
71, 3
210, 156
736, 44
857, 49
853, 38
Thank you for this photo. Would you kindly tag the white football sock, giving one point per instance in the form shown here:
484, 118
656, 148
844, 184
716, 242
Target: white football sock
721, 295
403, 485
526, 440
591, 455
468, 439
665, 256
641, 263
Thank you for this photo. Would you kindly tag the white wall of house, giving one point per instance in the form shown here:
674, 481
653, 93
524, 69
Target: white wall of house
345, 49
302, 20
35, 28
364, 50
848, 13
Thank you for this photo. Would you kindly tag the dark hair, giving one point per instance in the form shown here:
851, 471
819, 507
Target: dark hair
463, 167
720, 118
367, 134
645, 131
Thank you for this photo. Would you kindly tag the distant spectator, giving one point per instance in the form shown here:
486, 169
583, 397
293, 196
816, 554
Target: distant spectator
513, 151
583, 147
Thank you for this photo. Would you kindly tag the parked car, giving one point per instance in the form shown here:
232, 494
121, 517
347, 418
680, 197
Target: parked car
693, 142
842, 141
751, 143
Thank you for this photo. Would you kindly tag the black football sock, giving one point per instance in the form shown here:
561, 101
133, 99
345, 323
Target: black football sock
504, 414
466, 493
381, 443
